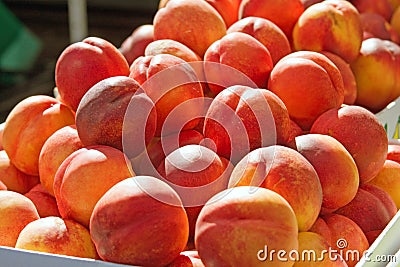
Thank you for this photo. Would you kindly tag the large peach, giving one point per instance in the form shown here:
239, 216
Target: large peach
332, 26
57, 236
308, 84
283, 13
287, 172
16, 211
168, 46
242, 52
361, 134
334, 165
28, 126
140, 221
267, 33
172, 84
376, 70
113, 109
54, 151
84, 177
381, 7
46, 204
81, 65
135, 44
194, 23
242, 225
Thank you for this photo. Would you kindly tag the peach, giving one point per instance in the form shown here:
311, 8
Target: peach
193, 23
57, 236
135, 44
332, 26
54, 151
388, 179
140, 221
167, 46
383, 197
282, 170
283, 13
309, 84
382, 7
172, 84
360, 133
349, 81
374, 25
28, 126
294, 131
113, 109
14, 179
84, 176
376, 72
45, 203
320, 227
334, 165
256, 220
16, 211
187, 259
372, 235
242, 52
267, 33
393, 153
196, 173
394, 4
81, 65
241, 119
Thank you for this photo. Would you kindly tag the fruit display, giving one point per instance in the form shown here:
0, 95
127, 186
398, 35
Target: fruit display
225, 133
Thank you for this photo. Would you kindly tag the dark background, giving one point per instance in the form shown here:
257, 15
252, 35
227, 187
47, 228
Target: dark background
112, 20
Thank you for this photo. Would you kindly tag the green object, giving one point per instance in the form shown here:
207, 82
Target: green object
19, 47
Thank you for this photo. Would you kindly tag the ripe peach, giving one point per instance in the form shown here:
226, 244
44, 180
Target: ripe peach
228, 9
242, 225
81, 65
308, 84
332, 26
193, 23
167, 46
334, 165
57, 236
84, 176
374, 25
282, 170
54, 151
243, 53
115, 108
383, 197
376, 73
187, 259
361, 134
267, 33
139, 221
135, 44
16, 211
45, 203
382, 7
28, 126
283, 13
14, 179
241, 119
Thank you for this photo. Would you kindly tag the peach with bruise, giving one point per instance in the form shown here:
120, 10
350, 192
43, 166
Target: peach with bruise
135, 44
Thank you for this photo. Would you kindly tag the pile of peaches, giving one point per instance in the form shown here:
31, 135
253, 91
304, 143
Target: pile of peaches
226, 133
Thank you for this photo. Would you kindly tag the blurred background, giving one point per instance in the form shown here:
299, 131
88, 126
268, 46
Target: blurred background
27, 60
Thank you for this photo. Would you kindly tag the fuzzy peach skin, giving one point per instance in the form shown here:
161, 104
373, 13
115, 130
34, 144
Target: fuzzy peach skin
309, 84
381, 7
170, 81
55, 150
332, 26
388, 179
241, 119
282, 170
236, 225
374, 25
84, 177
115, 108
376, 70
81, 65
189, 258
360, 133
57, 236
267, 33
46, 204
16, 211
283, 13
14, 179
140, 221
242, 52
334, 165
193, 23
135, 44
168, 46
197, 167
28, 126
